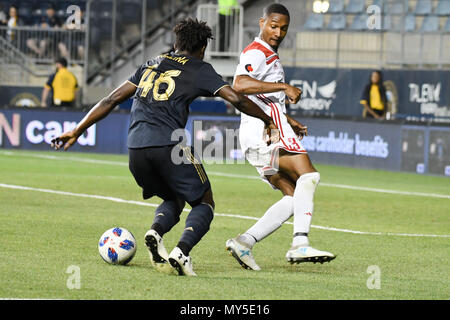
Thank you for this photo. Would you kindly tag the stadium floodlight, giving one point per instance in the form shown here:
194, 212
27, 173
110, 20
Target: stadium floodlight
320, 6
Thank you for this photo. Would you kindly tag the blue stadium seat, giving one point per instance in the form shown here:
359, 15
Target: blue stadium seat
447, 25
25, 11
359, 22
61, 9
337, 22
355, 6
430, 24
398, 7
314, 21
336, 6
130, 11
44, 4
7, 3
103, 8
387, 25
41, 7
423, 7
443, 8
382, 4
410, 22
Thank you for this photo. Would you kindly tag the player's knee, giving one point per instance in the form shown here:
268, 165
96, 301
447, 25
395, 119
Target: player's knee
208, 199
282, 183
310, 177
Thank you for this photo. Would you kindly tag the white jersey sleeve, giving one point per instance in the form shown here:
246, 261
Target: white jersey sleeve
252, 63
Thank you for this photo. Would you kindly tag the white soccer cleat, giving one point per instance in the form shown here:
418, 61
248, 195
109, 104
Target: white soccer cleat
242, 254
181, 263
301, 254
157, 252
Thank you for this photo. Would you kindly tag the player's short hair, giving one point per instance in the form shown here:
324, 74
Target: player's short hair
275, 8
191, 35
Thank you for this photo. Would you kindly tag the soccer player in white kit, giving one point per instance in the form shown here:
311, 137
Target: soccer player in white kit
285, 165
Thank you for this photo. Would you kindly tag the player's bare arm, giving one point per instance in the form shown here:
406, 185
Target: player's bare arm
245, 105
97, 113
299, 129
247, 85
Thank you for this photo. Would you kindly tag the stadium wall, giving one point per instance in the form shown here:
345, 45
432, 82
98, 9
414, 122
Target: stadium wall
411, 93
386, 145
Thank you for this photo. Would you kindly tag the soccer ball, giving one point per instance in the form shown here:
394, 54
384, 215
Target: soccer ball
117, 246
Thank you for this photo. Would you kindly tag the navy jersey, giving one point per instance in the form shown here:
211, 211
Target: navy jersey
166, 86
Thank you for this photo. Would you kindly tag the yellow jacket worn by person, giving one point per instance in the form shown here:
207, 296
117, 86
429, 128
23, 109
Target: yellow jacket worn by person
64, 85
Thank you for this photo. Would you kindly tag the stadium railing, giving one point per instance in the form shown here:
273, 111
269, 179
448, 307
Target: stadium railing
227, 29
53, 42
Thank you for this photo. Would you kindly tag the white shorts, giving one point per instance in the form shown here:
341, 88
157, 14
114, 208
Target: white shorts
262, 156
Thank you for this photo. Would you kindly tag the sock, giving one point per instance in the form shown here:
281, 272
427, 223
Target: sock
272, 219
304, 207
166, 216
197, 225
184, 247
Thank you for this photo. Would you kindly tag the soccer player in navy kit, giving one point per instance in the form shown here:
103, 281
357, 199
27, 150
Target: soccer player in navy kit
162, 90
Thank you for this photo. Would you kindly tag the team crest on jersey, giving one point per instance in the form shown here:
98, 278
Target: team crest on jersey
248, 67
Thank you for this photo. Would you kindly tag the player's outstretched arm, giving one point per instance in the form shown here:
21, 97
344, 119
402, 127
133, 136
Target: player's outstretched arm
247, 106
247, 85
97, 113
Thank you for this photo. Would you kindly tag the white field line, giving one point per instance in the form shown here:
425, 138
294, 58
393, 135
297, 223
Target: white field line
38, 299
140, 203
231, 175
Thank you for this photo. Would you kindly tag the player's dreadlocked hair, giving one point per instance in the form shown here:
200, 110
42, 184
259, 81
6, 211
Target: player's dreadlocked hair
192, 35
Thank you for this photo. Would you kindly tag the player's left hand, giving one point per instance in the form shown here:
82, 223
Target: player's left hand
299, 129
66, 140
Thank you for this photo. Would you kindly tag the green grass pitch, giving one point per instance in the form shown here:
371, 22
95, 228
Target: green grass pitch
45, 233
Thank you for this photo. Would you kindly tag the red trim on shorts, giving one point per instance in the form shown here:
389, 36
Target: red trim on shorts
277, 120
276, 112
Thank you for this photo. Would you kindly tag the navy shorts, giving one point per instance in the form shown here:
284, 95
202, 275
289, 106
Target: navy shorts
156, 172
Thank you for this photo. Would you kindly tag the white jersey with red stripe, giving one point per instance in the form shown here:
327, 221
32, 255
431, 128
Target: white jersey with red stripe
259, 61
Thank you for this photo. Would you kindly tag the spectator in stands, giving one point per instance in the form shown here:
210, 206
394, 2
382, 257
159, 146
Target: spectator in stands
77, 39
13, 21
226, 23
49, 21
3, 19
374, 97
63, 84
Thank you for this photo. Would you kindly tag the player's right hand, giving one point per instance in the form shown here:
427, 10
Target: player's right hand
66, 140
293, 94
273, 133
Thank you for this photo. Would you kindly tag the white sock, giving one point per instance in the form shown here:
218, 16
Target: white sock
274, 217
304, 207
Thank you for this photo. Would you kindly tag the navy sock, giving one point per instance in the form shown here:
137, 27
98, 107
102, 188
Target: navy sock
197, 225
166, 216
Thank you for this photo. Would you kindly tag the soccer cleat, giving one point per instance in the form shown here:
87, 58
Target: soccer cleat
158, 253
181, 263
242, 254
301, 254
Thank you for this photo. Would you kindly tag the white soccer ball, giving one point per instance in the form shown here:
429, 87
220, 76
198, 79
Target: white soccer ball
117, 246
